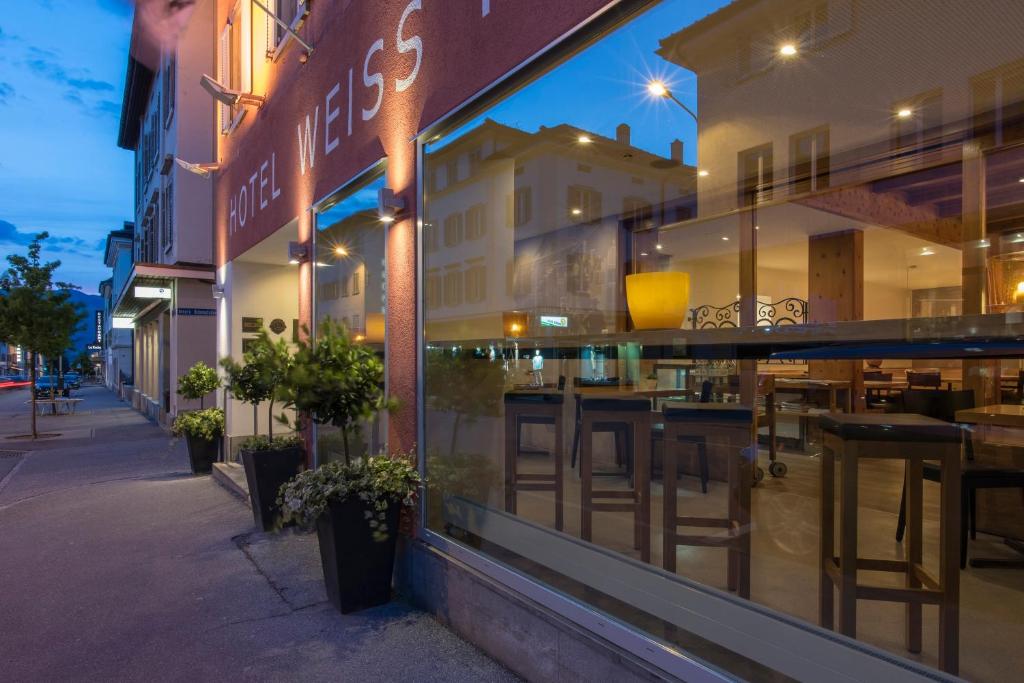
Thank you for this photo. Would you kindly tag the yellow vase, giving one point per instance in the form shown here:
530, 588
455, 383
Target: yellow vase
658, 300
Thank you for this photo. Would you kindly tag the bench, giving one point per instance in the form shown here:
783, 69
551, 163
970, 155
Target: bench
56, 406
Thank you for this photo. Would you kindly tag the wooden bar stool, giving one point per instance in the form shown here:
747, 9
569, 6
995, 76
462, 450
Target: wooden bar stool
533, 407
634, 416
913, 439
722, 430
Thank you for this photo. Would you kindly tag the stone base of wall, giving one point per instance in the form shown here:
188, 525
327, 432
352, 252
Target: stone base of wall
530, 639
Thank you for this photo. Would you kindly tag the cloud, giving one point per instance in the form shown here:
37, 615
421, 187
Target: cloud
89, 84
80, 87
6, 37
10, 234
6, 92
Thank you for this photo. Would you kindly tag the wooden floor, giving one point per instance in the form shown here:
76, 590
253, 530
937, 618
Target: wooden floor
784, 555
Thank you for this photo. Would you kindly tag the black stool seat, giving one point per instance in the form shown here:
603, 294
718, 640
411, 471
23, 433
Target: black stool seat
534, 397
700, 412
889, 427
617, 404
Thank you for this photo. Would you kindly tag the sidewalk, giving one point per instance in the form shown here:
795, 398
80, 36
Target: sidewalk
117, 564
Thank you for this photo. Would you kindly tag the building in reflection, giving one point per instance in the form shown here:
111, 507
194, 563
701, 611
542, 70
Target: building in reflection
524, 226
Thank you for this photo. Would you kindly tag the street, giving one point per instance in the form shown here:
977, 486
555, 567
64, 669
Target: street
117, 564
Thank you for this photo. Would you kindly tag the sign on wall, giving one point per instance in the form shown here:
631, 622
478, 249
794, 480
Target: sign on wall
252, 324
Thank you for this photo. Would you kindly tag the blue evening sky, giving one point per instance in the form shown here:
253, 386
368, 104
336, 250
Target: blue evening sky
606, 85
62, 66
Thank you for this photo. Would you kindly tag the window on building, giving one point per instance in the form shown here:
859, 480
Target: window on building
169, 204
291, 12
234, 64
997, 102
453, 230
916, 121
476, 225
476, 282
522, 206
429, 237
453, 286
583, 204
809, 160
355, 282
434, 284
170, 94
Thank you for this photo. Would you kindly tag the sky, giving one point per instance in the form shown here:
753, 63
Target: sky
62, 68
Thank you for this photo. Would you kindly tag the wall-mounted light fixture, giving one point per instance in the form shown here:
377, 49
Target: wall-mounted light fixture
226, 95
201, 170
218, 291
152, 292
122, 323
388, 205
297, 253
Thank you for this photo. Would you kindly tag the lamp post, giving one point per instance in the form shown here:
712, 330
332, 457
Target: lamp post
659, 89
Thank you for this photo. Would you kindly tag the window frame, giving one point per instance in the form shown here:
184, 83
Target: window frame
277, 44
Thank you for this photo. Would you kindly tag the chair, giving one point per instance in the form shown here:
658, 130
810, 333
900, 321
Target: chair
543, 408
623, 454
944, 405
924, 379
633, 417
878, 399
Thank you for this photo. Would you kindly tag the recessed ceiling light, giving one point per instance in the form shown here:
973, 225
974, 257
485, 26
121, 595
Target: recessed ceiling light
584, 139
787, 50
657, 246
1021, 180
577, 212
757, 227
702, 173
905, 113
724, 238
927, 251
341, 251
643, 253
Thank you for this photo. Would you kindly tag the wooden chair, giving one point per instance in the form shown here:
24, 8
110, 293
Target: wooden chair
725, 431
848, 439
878, 399
924, 379
622, 450
526, 407
632, 417
943, 405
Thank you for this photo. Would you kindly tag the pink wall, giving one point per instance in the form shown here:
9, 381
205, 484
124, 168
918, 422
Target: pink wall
460, 51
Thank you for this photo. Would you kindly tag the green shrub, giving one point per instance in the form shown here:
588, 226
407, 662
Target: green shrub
264, 443
200, 424
379, 481
199, 381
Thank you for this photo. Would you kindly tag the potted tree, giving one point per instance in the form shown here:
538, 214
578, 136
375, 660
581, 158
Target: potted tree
355, 507
269, 461
199, 381
202, 430
354, 503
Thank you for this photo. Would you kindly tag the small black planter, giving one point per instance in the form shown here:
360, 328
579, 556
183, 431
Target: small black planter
357, 568
265, 472
202, 453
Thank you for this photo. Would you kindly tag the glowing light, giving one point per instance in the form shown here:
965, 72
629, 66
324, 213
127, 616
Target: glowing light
703, 173
787, 50
1018, 294
643, 253
576, 212
657, 246
905, 113
387, 219
584, 140
515, 328
1021, 180
657, 89
927, 251
293, 261
724, 238
341, 251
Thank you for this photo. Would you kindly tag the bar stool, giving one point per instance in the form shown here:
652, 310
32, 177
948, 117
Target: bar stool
532, 407
718, 429
913, 439
633, 416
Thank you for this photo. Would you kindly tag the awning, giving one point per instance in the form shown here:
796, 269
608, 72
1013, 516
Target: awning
150, 284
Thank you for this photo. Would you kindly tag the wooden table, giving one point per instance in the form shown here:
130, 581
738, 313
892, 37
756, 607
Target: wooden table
1006, 416
833, 387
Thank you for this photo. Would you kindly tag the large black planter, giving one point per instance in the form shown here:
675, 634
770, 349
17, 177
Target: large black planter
265, 472
202, 453
357, 567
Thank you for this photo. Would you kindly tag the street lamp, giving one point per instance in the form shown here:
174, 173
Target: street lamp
659, 89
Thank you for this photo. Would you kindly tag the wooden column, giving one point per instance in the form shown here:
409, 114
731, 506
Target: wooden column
835, 293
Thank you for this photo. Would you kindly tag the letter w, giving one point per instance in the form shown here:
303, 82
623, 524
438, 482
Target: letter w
306, 143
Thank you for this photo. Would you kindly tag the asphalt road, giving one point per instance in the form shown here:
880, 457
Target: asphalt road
117, 564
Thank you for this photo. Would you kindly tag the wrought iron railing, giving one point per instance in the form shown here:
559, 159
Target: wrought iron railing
788, 311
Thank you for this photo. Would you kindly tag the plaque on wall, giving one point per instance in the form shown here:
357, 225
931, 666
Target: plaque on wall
277, 326
247, 344
252, 324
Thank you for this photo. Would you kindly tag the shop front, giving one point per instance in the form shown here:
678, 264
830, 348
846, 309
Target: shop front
704, 319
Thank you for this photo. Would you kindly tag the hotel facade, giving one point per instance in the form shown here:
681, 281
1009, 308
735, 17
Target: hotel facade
677, 299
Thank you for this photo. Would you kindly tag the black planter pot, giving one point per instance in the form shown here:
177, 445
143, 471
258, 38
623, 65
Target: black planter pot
265, 472
202, 453
357, 567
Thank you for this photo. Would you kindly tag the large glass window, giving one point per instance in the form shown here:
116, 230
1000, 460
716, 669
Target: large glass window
350, 287
712, 295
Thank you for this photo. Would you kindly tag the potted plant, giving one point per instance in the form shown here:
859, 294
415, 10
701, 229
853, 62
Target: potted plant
268, 461
202, 430
199, 381
355, 507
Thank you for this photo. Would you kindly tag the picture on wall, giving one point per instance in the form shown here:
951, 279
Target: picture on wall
252, 324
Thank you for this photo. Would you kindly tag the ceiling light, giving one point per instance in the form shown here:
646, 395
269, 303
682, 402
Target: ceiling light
584, 139
724, 238
577, 212
341, 251
657, 88
927, 251
787, 50
643, 253
905, 113
702, 173
293, 262
657, 246
1021, 180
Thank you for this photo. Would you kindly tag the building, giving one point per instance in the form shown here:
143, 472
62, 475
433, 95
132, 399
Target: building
833, 188
117, 346
166, 297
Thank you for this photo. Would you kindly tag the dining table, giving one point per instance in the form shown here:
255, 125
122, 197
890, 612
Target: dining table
1000, 420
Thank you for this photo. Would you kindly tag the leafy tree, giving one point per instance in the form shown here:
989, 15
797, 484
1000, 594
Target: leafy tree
199, 381
463, 383
36, 312
83, 363
266, 365
335, 381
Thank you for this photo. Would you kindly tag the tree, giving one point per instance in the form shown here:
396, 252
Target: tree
335, 381
83, 363
200, 380
266, 365
36, 312
464, 383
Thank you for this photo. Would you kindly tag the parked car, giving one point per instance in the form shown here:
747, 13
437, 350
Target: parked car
73, 380
47, 385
